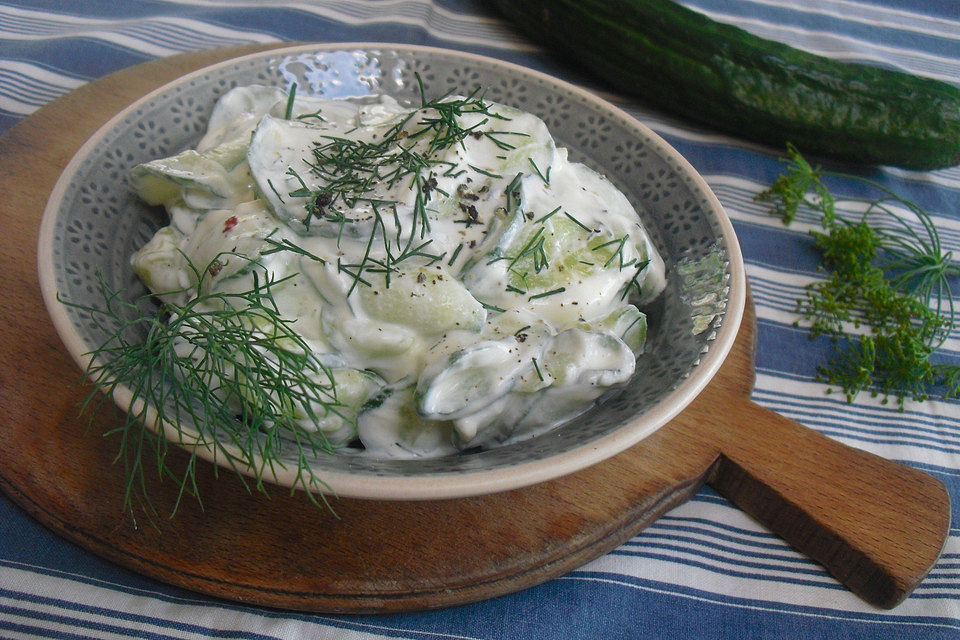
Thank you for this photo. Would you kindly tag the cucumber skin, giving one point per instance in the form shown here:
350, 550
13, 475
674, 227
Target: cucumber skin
724, 77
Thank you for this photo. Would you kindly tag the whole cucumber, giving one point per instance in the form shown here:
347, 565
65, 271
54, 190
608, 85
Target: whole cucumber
726, 78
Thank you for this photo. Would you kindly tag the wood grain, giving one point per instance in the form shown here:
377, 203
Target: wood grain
876, 525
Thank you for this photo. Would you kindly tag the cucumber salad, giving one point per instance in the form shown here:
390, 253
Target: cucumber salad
450, 277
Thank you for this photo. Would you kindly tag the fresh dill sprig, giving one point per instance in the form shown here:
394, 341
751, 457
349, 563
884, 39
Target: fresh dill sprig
224, 369
456, 253
274, 189
505, 146
276, 246
544, 177
887, 273
618, 252
547, 215
513, 194
534, 248
634, 283
547, 293
536, 368
481, 171
578, 223
291, 96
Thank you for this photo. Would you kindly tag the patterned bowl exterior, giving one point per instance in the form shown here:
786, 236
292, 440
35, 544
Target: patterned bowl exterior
93, 223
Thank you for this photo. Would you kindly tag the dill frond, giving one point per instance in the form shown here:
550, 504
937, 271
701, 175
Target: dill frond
887, 274
225, 370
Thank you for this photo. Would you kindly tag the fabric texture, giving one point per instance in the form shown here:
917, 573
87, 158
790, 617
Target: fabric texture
704, 570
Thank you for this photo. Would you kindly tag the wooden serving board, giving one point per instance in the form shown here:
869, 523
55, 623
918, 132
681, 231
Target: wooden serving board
876, 525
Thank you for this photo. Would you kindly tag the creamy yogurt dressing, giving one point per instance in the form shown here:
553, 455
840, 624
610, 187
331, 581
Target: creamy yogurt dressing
461, 279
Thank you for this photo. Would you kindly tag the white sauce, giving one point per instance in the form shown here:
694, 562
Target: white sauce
517, 313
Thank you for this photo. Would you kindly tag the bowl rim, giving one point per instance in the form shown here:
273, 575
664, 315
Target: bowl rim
462, 483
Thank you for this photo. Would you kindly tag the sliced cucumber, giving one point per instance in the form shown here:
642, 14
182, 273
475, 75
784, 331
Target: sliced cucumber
392, 350
336, 417
189, 175
427, 299
238, 111
627, 323
230, 154
570, 370
507, 142
226, 243
161, 266
209, 180
395, 428
494, 422
470, 379
352, 388
591, 358
277, 156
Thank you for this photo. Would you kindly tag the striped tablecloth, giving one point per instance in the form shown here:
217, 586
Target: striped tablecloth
704, 570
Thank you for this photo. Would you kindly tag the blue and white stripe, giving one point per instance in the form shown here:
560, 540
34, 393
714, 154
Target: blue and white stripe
155, 36
704, 570
432, 17
26, 86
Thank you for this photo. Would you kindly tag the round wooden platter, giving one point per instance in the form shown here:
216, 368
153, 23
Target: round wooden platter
876, 525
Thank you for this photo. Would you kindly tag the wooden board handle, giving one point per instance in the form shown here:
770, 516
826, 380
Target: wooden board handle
876, 525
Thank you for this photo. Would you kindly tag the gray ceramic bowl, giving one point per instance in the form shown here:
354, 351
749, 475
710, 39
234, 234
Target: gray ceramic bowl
93, 223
